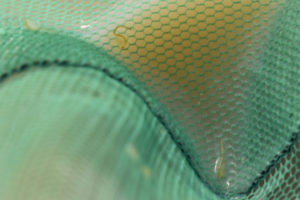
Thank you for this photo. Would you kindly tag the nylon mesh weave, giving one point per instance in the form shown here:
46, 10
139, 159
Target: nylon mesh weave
150, 99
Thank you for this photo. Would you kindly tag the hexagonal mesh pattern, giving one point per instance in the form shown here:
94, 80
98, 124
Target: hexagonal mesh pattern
282, 181
221, 74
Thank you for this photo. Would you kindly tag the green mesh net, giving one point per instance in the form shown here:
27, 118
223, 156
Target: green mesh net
132, 100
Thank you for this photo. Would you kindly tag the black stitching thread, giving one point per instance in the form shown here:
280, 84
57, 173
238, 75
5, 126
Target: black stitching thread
277, 158
160, 118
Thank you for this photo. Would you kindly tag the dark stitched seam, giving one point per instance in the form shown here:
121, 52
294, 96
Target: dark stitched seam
277, 158
160, 118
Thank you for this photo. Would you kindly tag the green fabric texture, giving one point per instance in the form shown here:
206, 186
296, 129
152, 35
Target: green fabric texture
79, 140
150, 99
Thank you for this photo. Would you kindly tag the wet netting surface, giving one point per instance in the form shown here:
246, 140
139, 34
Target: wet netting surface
131, 100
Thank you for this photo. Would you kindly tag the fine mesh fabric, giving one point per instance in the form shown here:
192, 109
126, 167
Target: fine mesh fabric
128, 99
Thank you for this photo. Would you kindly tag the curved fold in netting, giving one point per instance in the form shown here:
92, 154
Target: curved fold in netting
150, 99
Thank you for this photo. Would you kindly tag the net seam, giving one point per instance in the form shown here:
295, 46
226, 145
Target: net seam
160, 118
277, 158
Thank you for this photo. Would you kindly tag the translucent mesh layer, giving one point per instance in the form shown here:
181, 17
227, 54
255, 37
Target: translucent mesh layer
282, 180
220, 75
60, 142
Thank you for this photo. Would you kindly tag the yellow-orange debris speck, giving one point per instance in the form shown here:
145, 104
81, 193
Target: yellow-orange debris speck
146, 171
31, 25
132, 152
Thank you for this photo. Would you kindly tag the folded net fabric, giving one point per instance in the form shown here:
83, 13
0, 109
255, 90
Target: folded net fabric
149, 99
